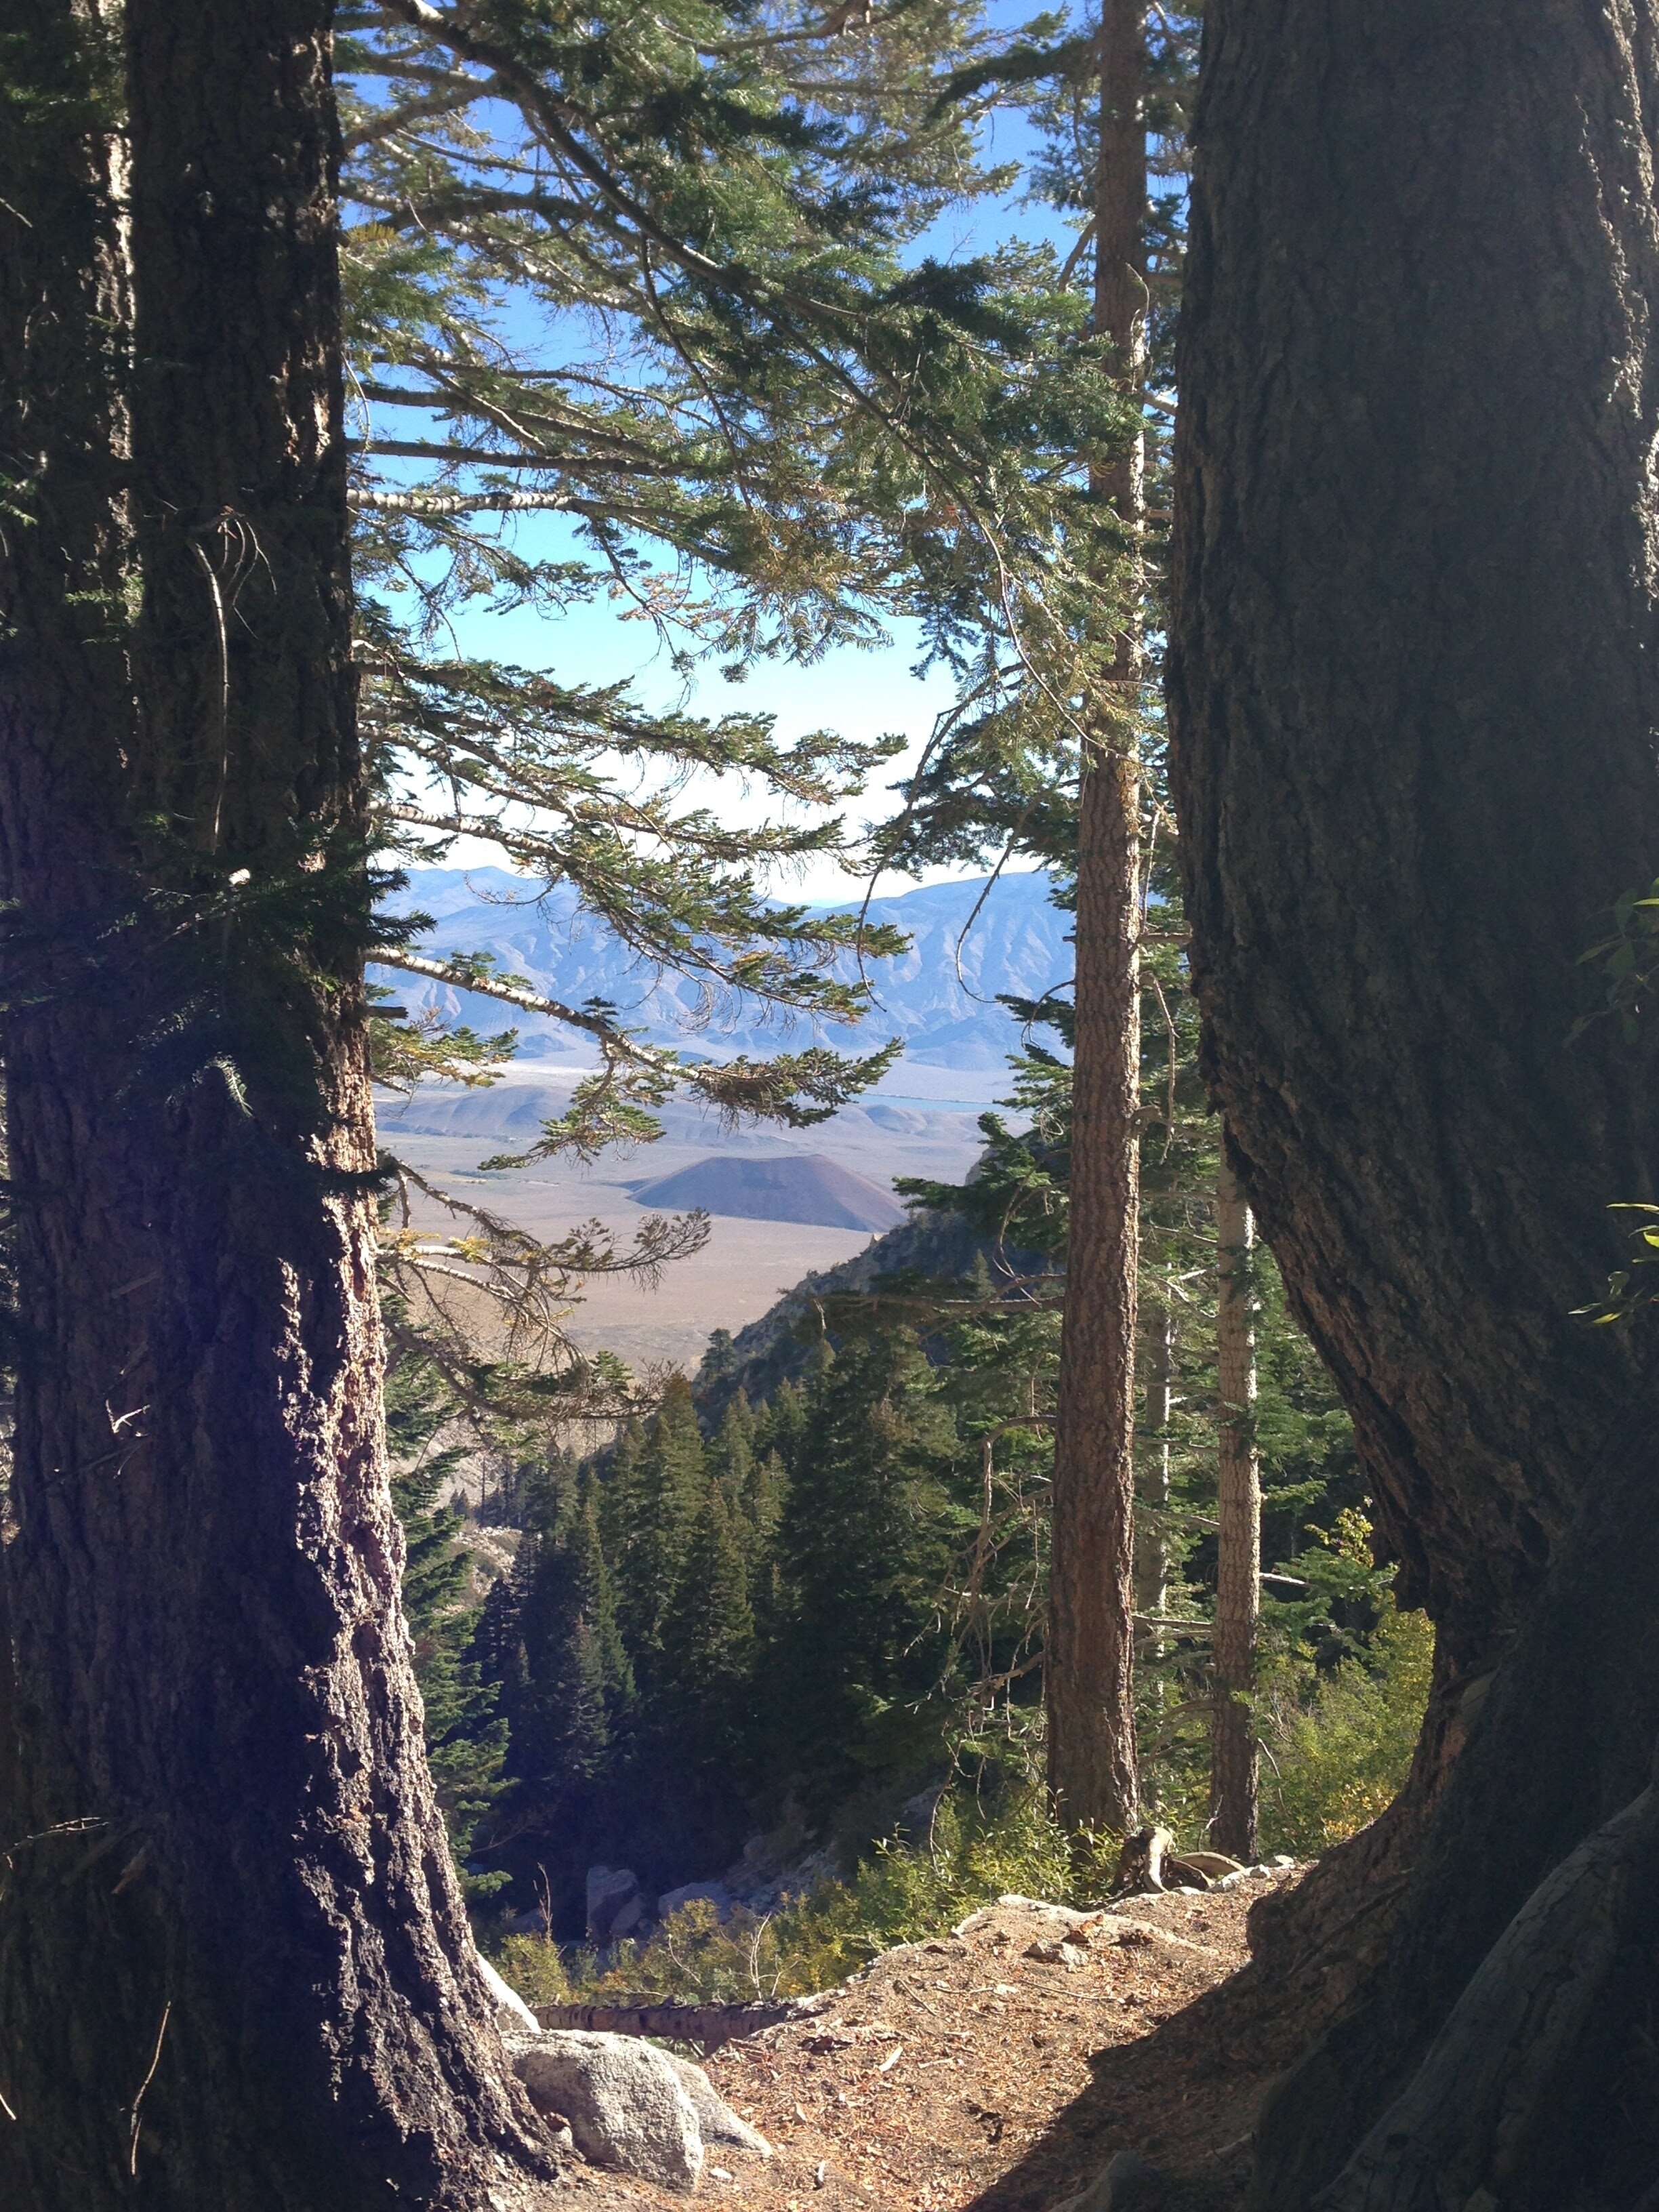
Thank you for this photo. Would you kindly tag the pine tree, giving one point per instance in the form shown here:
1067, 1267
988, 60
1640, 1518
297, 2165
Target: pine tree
866, 1535
710, 1645
730, 1452
466, 1735
1413, 708
667, 1482
1233, 1757
198, 1493
781, 1424
801, 432
569, 1683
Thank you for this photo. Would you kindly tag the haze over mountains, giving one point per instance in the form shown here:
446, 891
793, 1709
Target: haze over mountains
940, 997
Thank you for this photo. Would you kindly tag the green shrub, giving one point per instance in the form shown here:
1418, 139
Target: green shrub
903, 1893
1335, 1751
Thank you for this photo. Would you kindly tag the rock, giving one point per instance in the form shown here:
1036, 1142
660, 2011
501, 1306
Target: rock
688, 1893
1054, 1952
610, 1890
1127, 2183
1215, 1865
629, 1921
715, 2118
624, 2100
513, 2015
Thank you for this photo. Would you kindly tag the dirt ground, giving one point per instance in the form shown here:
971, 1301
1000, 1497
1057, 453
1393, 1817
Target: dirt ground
993, 2071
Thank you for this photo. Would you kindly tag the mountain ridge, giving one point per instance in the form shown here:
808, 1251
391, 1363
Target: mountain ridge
938, 998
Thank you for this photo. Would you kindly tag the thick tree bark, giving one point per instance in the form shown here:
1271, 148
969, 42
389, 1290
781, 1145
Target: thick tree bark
1089, 1649
234, 1968
1239, 1544
1413, 699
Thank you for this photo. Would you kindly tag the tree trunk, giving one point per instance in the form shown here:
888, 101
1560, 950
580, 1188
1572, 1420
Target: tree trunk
1090, 1649
1412, 700
1153, 1490
1238, 1546
234, 1968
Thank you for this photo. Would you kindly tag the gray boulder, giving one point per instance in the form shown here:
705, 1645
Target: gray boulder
614, 1904
623, 2098
716, 1891
629, 2106
513, 2015
718, 2124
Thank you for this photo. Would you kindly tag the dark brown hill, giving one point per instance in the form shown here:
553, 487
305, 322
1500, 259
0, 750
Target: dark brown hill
792, 1186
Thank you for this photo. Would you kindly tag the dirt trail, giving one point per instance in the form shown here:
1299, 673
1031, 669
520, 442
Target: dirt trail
992, 2071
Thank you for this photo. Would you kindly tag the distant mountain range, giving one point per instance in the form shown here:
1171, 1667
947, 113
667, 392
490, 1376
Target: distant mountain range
940, 997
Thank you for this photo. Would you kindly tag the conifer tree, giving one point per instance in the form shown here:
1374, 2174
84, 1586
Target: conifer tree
569, 1688
729, 1454
1088, 1667
1412, 698
466, 1734
781, 1424
666, 1488
1233, 1756
199, 1510
800, 434
711, 1646
865, 1537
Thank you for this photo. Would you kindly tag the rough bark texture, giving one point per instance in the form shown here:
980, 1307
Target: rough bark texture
1238, 1542
1414, 694
1090, 1648
234, 1968
1480, 2113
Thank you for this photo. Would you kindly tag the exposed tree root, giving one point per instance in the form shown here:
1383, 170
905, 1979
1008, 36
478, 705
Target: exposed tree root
1500, 2105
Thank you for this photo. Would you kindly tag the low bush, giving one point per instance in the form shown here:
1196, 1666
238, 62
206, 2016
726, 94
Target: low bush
1336, 1751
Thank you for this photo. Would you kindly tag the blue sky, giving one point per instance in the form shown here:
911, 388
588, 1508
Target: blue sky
861, 692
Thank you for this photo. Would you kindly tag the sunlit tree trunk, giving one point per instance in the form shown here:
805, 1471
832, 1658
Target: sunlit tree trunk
1238, 1542
1091, 1640
1152, 1572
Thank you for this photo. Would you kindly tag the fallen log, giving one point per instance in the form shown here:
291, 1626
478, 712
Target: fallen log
708, 2026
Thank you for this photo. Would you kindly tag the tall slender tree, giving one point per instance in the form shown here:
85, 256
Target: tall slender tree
1089, 1659
1233, 1754
223, 1848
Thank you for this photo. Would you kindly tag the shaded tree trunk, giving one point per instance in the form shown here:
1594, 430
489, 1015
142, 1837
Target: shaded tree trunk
1239, 1544
1413, 702
1090, 1648
235, 1967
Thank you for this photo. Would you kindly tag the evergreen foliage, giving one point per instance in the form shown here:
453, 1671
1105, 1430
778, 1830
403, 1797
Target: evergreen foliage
466, 1735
